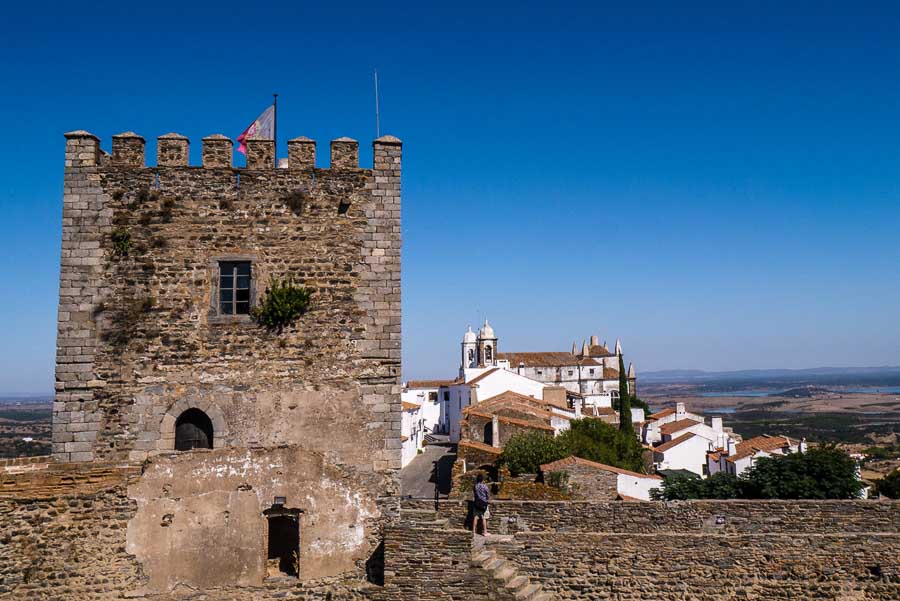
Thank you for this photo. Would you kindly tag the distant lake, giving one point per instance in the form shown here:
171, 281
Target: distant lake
747, 393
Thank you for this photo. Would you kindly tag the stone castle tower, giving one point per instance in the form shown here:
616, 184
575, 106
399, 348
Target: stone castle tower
267, 442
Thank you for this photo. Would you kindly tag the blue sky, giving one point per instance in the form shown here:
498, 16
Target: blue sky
719, 186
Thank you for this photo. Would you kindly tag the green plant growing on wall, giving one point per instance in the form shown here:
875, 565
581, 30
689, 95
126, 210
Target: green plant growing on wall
121, 242
559, 480
282, 305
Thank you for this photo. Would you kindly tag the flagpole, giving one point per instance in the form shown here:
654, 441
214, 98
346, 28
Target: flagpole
275, 125
377, 119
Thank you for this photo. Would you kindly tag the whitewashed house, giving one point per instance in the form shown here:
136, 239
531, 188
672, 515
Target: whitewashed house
685, 452
650, 429
489, 383
426, 394
737, 458
412, 431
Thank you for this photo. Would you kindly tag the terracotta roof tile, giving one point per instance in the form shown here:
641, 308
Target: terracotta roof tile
510, 396
546, 359
573, 460
673, 427
662, 413
431, 383
673, 443
598, 350
474, 444
756, 444
409, 406
537, 423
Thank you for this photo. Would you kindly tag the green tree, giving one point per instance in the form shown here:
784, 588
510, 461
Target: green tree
680, 487
598, 441
820, 473
625, 424
588, 438
889, 486
525, 452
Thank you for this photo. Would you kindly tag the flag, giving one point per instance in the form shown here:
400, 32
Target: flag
263, 127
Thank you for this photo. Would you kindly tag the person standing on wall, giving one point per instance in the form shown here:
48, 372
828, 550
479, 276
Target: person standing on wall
481, 502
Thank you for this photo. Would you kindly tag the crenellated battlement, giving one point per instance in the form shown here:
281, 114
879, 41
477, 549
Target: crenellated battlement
83, 149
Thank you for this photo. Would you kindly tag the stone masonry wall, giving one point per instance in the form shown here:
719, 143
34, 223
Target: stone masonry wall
782, 550
586, 482
138, 323
310, 412
700, 566
737, 517
62, 535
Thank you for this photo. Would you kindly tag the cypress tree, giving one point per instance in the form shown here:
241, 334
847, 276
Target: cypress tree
625, 424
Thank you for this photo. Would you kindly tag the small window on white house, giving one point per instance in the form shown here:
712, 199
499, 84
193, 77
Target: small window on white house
570, 372
540, 372
591, 371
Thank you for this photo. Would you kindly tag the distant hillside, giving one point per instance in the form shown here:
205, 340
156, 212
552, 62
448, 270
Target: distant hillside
844, 375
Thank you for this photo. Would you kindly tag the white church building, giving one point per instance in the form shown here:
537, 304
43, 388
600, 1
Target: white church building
591, 372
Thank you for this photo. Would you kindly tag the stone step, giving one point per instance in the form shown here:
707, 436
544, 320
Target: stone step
528, 593
506, 574
495, 564
518, 582
542, 597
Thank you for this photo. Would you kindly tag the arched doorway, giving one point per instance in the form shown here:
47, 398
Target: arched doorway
193, 430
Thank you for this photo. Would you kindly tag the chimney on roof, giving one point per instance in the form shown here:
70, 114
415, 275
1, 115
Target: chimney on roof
555, 395
595, 340
679, 411
717, 424
732, 448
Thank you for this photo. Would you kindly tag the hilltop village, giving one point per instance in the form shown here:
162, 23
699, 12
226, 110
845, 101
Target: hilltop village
498, 395
229, 421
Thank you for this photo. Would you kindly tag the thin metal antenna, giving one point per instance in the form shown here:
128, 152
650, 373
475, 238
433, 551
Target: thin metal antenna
377, 116
275, 125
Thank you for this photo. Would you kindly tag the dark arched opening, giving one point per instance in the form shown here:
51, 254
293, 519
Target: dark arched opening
489, 433
193, 430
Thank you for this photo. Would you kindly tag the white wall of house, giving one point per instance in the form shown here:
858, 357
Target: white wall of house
689, 455
454, 400
502, 380
429, 400
412, 433
637, 487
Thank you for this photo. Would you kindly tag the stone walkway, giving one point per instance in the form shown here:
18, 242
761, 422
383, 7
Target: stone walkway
431, 467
